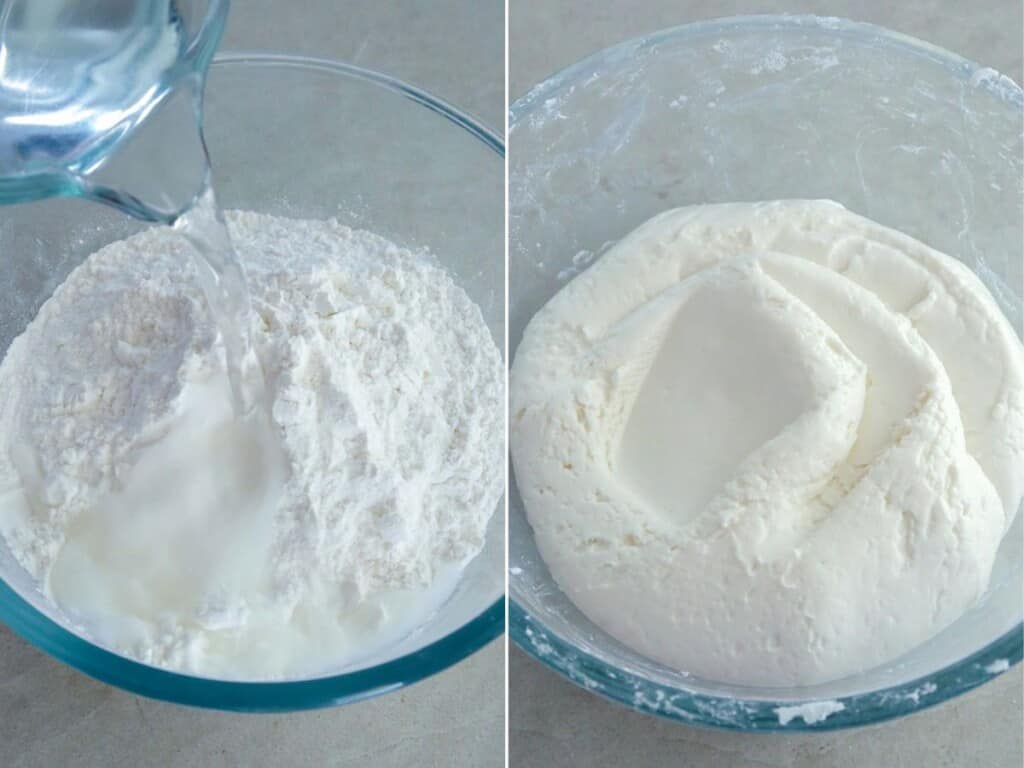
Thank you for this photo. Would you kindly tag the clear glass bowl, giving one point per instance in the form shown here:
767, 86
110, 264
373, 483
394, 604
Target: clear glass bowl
761, 108
311, 139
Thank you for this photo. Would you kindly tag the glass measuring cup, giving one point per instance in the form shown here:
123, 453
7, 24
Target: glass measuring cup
101, 100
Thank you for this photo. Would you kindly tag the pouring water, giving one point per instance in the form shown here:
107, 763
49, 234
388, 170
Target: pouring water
103, 101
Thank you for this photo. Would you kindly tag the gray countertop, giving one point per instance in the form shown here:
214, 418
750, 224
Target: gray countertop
54, 717
50, 715
452, 48
552, 723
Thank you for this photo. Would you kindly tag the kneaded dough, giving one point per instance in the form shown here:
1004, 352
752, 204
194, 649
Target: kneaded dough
770, 443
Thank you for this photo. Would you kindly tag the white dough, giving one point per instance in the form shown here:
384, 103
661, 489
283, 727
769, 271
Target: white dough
771, 443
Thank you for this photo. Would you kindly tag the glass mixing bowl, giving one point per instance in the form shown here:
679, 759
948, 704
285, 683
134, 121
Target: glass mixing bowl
748, 109
310, 139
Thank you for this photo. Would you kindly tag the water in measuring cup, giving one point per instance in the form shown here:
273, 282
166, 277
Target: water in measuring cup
75, 76
97, 100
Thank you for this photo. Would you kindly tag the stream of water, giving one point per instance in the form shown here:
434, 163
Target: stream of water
99, 101
227, 294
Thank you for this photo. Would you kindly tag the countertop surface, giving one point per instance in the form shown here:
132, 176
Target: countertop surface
552, 723
50, 715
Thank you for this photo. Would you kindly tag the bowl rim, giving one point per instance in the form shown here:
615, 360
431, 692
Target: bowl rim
720, 712
1002, 85
286, 695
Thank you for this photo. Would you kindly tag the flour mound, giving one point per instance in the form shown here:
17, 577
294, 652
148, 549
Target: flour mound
385, 383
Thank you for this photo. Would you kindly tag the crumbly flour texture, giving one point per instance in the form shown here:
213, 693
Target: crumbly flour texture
387, 405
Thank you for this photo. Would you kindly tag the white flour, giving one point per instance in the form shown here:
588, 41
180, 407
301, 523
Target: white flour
189, 540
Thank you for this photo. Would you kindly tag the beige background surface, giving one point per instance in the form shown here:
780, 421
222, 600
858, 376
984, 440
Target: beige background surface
552, 722
54, 717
